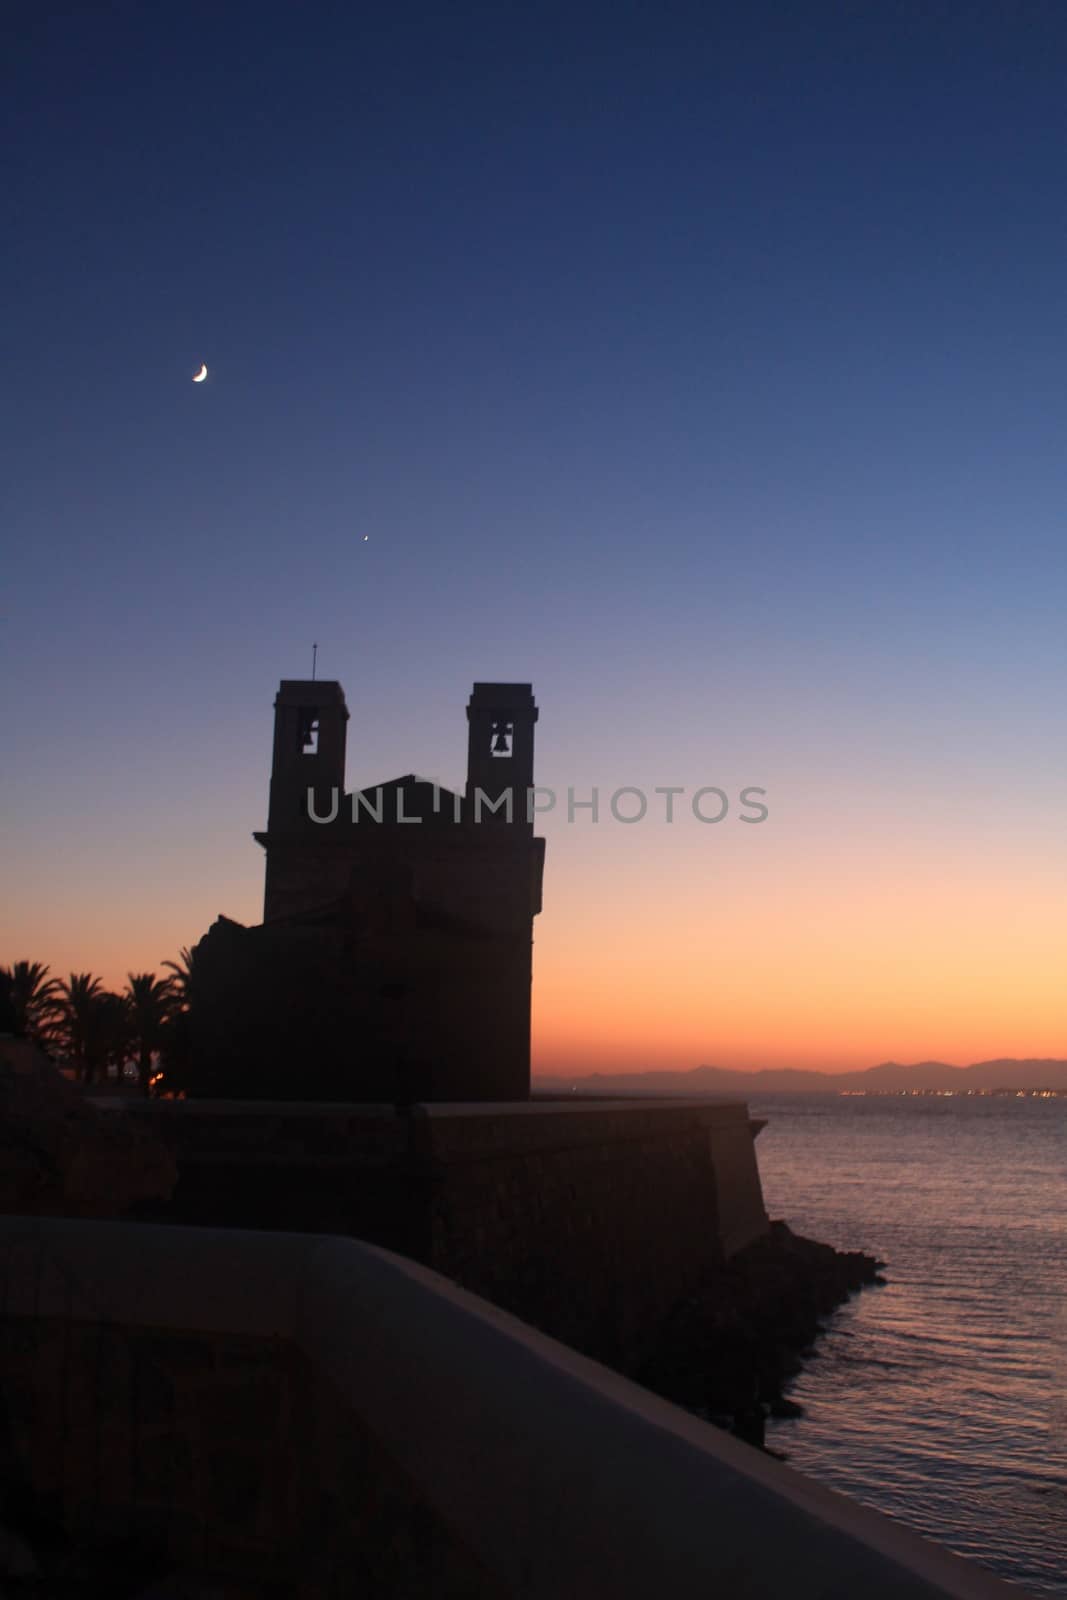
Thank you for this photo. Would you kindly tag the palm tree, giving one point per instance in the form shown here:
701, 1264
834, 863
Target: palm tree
7, 1006
110, 1040
182, 984
148, 1001
175, 1054
78, 1027
33, 996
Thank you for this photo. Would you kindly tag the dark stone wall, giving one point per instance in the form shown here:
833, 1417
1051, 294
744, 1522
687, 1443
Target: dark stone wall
589, 1224
296, 1168
588, 1221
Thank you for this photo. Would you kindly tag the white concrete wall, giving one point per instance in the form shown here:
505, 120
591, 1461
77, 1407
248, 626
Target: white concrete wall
568, 1482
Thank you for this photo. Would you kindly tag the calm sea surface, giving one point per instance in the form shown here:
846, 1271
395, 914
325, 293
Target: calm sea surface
941, 1399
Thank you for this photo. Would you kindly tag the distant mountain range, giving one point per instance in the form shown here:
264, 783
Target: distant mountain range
889, 1076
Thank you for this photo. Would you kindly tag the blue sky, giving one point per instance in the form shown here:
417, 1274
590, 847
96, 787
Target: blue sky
701, 364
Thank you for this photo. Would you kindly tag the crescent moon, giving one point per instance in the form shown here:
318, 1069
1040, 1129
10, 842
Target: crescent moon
202, 374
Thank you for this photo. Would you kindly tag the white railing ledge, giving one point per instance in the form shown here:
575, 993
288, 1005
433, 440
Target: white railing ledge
568, 1481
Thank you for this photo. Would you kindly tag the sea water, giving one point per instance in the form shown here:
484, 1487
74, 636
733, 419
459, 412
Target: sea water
940, 1399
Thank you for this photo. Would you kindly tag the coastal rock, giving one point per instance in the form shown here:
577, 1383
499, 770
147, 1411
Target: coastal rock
733, 1345
782, 1408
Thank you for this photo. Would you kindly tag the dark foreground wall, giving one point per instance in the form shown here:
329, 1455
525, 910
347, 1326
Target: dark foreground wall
589, 1220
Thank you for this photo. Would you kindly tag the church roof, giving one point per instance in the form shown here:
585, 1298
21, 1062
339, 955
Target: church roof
423, 797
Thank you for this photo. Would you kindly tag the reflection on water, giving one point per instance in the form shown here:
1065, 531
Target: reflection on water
941, 1399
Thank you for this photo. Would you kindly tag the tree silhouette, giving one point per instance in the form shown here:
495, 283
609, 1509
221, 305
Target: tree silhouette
183, 982
7, 1008
82, 1027
33, 998
149, 1002
175, 1050
109, 1041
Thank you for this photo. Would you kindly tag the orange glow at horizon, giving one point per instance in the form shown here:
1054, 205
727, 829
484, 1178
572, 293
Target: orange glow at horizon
778, 961
669, 949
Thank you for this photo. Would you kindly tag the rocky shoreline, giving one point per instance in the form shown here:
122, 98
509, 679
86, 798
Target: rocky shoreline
728, 1350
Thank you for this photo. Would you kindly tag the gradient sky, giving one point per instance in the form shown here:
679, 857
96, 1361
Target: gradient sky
702, 364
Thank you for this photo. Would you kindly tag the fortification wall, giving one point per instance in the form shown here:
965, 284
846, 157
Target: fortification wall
590, 1220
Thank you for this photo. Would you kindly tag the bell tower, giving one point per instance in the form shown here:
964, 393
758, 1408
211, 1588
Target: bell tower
309, 751
500, 749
